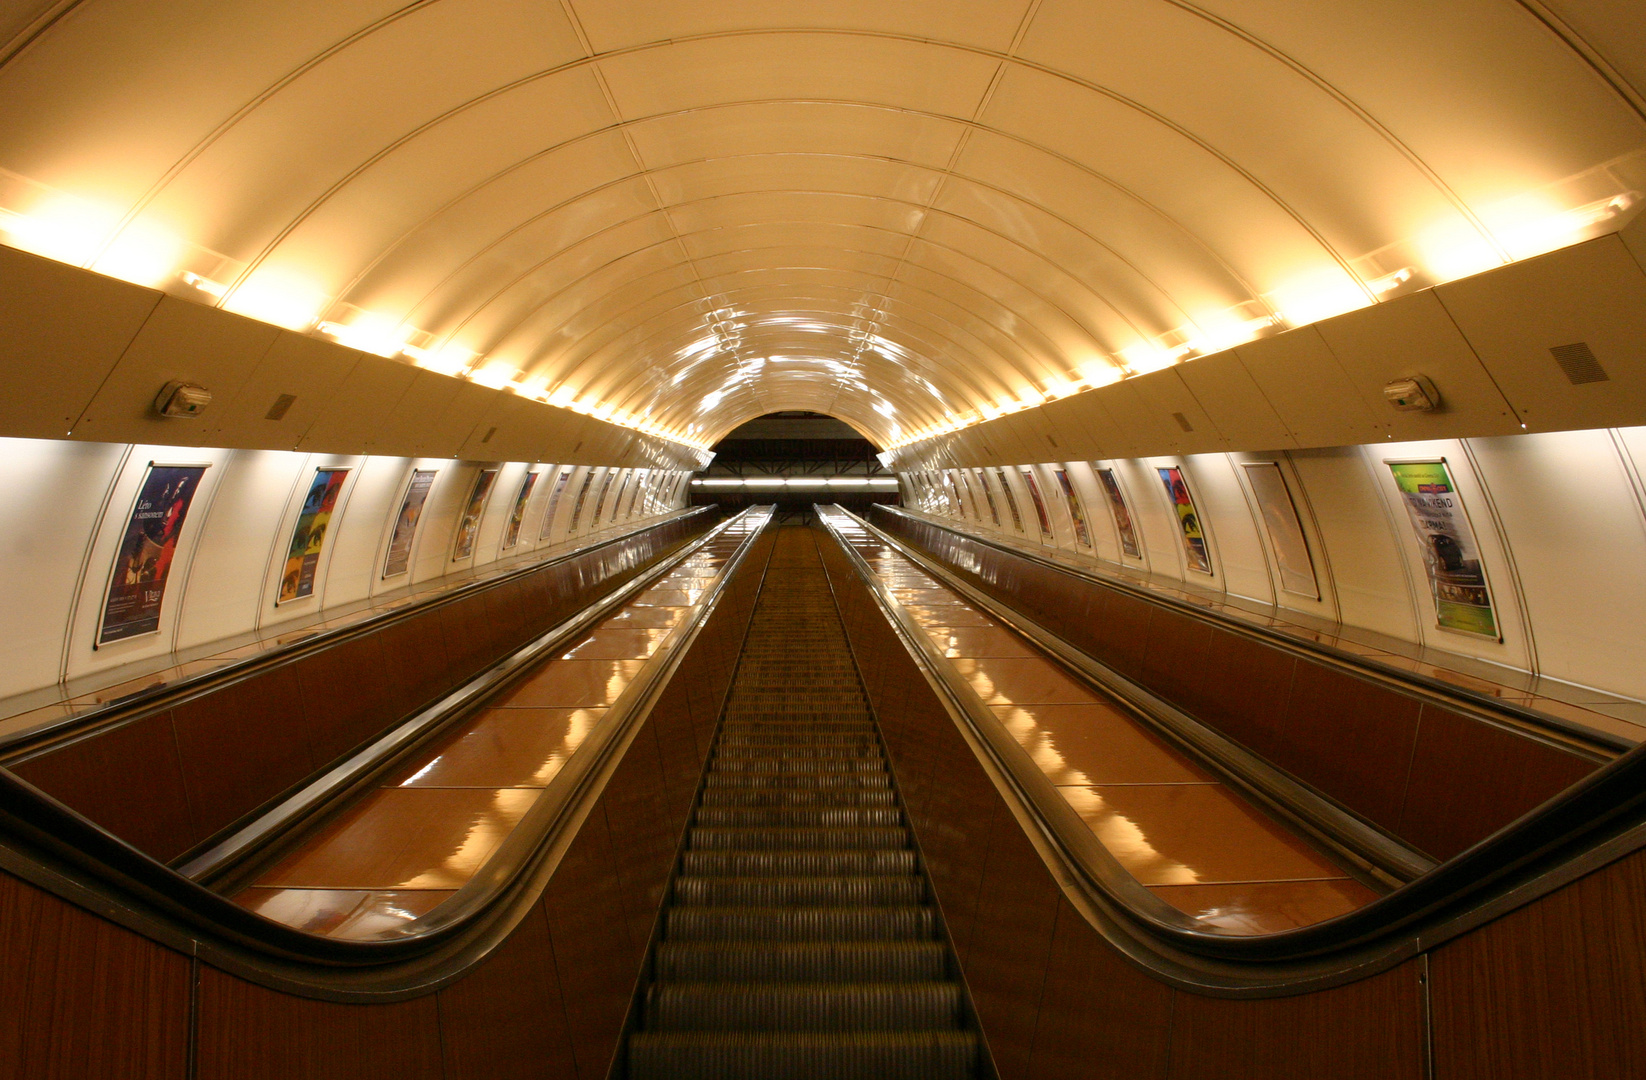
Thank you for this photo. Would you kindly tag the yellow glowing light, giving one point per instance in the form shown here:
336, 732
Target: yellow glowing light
447, 360
1312, 297
144, 253
279, 297
495, 375
381, 334
1389, 282
205, 285
1145, 357
62, 227
1100, 373
1455, 249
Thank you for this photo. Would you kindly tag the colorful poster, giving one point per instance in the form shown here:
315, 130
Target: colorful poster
988, 494
1285, 528
582, 497
560, 483
303, 557
1188, 520
1122, 516
405, 524
1082, 535
517, 516
1462, 600
143, 561
1011, 500
1040, 513
468, 526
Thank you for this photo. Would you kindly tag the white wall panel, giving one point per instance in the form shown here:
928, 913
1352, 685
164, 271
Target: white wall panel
1155, 523
55, 495
1571, 512
1231, 531
432, 550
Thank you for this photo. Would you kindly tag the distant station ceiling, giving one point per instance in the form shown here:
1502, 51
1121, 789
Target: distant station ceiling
909, 214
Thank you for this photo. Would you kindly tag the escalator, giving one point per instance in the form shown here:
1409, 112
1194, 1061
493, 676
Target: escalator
800, 938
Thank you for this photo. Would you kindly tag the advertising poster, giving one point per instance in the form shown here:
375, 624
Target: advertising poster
1082, 535
405, 523
600, 503
511, 531
1011, 500
303, 557
559, 489
1285, 528
1458, 581
1122, 516
1040, 513
988, 493
469, 524
146, 549
617, 500
582, 497
1188, 520
955, 480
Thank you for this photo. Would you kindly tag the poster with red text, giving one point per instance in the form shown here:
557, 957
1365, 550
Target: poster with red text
143, 562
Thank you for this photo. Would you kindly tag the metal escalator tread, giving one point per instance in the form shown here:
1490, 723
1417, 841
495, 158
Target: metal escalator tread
799, 940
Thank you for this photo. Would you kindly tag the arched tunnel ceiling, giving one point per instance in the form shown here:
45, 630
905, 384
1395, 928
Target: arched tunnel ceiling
911, 214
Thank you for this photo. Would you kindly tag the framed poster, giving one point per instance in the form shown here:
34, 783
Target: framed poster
1082, 535
617, 500
1040, 513
988, 494
469, 524
559, 489
1188, 519
1122, 516
1285, 528
309, 537
582, 497
405, 523
143, 561
517, 515
600, 503
1463, 601
1011, 500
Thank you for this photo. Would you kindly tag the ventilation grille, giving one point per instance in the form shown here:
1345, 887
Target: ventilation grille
1182, 421
281, 405
1578, 362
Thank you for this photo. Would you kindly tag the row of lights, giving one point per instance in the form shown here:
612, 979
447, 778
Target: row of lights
832, 482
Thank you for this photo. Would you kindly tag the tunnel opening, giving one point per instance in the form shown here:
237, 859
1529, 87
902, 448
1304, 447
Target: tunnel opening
794, 458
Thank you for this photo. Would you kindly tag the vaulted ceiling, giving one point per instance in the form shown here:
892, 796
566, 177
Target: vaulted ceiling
911, 214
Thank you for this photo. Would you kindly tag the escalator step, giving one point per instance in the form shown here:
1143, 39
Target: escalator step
798, 781
935, 1055
786, 797
797, 863
800, 924
910, 1006
891, 961
733, 839
771, 891
799, 817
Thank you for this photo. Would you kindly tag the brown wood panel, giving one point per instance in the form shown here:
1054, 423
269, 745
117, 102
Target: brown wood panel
82, 997
505, 1019
463, 625
1120, 629
241, 746
347, 697
1100, 1018
148, 808
593, 951
1175, 656
1367, 1030
247, 1032
1010, 941
1241, 688
1552, 990
644, 838
415, 667
1469, 780
1350, 738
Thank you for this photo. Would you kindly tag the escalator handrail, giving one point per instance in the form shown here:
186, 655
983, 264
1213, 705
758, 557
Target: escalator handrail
1595, 821
47, 843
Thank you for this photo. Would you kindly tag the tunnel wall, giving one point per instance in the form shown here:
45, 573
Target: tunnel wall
1525, 997
68, 503
1558, 517
83, 997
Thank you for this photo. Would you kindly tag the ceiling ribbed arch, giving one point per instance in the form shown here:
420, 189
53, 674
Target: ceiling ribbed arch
914, 215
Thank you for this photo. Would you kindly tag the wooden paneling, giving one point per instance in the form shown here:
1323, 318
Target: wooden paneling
247, 1032
505, 1020
81, 997
148, 808
1367, 1030
1551, 990
1350, 738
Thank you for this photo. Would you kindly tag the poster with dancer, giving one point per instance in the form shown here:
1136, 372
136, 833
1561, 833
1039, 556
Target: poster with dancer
1122, 516
309, 537
398, 559
1040, 513
558, 490
143, 560
1188, 520
1463, 602
1011, 500
1077, 514
468, 526
511, 531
